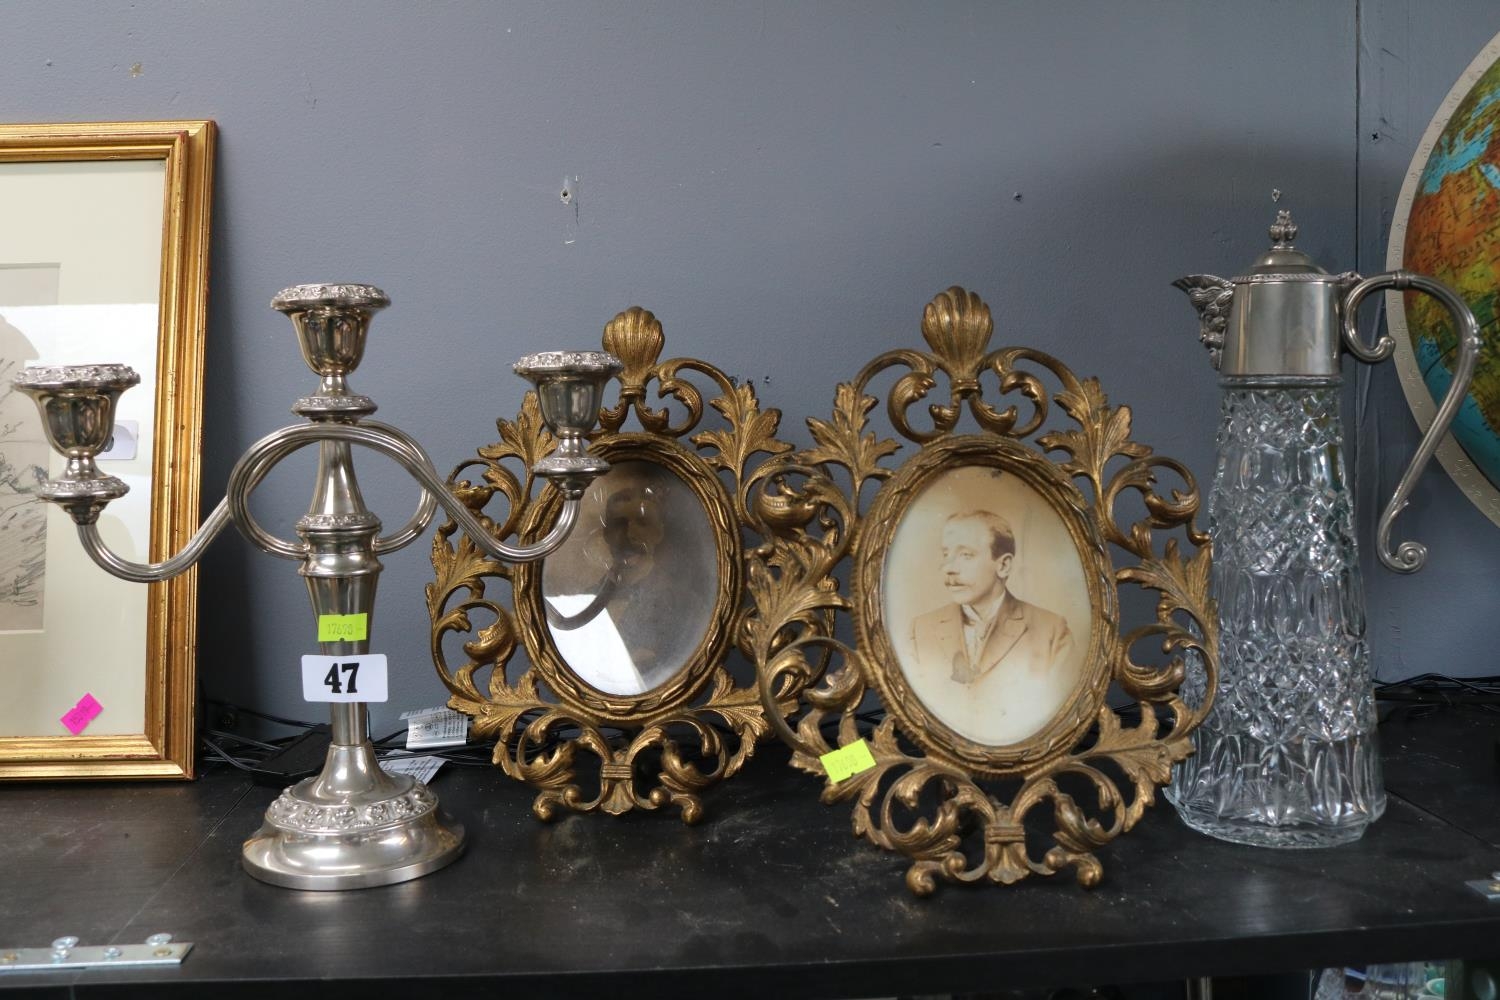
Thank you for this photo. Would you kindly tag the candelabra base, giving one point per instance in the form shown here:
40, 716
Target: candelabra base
388, 833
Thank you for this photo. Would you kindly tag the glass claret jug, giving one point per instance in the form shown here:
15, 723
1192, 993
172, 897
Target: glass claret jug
1287, 756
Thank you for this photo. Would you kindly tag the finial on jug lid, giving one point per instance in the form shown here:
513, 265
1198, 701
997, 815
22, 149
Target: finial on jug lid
1283, 230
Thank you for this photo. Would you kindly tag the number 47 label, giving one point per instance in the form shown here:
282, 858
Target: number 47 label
357, 677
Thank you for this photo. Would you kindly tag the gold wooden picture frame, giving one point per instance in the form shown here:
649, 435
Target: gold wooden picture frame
105, 253
627, 627
984, 588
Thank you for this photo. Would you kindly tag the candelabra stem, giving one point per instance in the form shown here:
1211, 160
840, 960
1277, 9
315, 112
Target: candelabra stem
352, 825
350, 720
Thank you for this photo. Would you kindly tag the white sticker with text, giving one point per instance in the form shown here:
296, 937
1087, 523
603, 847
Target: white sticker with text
357, 677
441, 727
421, 767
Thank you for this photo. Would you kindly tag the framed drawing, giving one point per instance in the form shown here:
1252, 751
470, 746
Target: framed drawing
984, 587
104, 252
626, 628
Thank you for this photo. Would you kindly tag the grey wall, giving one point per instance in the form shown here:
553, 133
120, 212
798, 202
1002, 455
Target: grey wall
785, 185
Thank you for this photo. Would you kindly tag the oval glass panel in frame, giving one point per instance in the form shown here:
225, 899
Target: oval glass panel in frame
626, 627
985, 586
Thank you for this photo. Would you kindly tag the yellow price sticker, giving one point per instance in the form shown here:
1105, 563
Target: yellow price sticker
343, 628
847, 761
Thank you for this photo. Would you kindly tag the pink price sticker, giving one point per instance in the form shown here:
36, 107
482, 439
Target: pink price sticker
80, 715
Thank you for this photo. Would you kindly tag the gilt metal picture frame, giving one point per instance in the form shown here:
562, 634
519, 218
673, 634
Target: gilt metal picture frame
984, 577
625, 701
105, 253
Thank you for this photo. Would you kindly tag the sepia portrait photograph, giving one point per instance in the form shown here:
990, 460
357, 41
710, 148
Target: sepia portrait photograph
986, 605
631, 594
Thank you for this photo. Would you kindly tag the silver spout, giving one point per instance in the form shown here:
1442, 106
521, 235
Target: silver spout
1210, 295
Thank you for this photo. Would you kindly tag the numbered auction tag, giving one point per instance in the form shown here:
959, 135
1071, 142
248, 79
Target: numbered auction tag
357, 677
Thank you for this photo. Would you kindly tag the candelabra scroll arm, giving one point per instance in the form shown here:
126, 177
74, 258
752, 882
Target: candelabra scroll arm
247, 473
426, 507
112, 563
405, 452
218, 519
1409, 556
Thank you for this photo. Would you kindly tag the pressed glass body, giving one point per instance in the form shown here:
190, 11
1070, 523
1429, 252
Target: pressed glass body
1287, 756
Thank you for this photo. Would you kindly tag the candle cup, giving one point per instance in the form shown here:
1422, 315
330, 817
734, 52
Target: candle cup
569, 385
332, 322
77, 405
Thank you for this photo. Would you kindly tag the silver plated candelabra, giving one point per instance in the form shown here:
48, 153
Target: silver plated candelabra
353, 825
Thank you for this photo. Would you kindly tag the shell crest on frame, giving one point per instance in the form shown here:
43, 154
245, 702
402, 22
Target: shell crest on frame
957, 326
635, 337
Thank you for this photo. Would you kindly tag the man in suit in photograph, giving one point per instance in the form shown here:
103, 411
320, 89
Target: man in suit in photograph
986, 634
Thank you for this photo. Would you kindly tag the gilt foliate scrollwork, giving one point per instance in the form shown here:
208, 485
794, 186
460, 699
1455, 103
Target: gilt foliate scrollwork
933, 794
583, 748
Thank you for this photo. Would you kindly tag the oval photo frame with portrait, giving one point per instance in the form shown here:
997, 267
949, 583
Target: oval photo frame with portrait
981, 598
968, 723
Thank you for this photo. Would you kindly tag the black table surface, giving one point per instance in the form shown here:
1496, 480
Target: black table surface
770, 895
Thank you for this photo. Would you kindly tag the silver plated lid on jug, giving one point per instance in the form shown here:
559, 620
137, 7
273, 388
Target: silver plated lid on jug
1280, 319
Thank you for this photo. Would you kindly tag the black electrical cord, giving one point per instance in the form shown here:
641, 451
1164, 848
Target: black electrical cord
278, 719
221, 753
1486, 687
247, 741
1426, 693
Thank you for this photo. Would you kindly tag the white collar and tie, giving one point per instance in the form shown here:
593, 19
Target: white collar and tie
978, 622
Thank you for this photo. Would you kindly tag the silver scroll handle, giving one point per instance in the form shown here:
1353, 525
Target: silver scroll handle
1410, 556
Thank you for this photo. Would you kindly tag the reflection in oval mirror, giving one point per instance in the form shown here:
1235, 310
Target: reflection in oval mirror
630, 595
